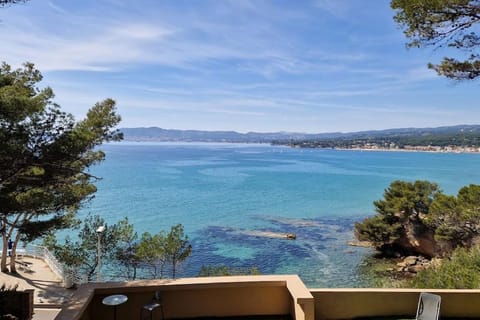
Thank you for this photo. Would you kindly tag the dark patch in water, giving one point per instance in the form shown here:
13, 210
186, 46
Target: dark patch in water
317, 255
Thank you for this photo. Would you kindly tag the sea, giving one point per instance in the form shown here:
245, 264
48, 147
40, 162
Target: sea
230, 197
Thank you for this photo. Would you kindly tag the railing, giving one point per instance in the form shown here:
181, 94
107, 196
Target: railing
42, 252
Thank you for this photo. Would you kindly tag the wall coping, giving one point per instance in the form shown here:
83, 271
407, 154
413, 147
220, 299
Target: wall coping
85, 293
393, 290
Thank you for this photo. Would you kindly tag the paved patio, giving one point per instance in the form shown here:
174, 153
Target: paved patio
45, 314
49, 293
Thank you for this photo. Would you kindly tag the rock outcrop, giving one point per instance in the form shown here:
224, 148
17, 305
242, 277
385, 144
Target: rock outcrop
413, 264
419, 240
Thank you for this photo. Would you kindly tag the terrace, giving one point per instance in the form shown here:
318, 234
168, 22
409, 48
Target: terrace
41, 274
259, 297
266, 297
272, 297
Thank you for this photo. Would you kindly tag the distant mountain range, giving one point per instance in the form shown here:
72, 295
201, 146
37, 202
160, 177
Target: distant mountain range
159, 134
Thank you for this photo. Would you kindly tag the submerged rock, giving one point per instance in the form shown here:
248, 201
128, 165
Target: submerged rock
265, 234
291, 236
358, 243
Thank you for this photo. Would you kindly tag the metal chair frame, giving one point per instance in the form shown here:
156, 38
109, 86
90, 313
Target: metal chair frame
428, 306
154, 304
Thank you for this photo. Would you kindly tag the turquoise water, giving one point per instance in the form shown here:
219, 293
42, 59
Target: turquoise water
222, 193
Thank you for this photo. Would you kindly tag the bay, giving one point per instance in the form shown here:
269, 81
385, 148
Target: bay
224, 194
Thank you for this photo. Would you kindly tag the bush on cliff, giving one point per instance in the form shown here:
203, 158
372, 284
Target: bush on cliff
417, 218
456, 220
399, 218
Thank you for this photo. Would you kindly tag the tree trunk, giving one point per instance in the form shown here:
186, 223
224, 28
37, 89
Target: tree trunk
5, 237
91, 271
3, 262
13, 256
162, 269
13, 268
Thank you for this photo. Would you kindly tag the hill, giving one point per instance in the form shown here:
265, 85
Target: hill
462, 138
449, 135
159, 134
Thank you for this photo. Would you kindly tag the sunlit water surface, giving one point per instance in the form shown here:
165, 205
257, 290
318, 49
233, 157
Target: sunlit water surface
224, 193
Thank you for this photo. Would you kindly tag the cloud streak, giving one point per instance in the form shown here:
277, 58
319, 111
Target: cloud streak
107, 45
250, 64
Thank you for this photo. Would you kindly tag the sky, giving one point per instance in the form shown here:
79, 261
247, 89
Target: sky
245, 65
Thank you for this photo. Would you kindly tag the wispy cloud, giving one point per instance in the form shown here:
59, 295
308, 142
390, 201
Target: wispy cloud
56, 7
303, 66
108, 45
337, 8
111, 47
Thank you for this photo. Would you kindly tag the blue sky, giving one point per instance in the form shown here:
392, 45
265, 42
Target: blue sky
246, 65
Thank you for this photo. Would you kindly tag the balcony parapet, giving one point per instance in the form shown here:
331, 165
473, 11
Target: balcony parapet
198, 297
401, 303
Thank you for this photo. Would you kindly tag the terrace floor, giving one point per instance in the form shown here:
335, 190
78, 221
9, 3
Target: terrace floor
49, 290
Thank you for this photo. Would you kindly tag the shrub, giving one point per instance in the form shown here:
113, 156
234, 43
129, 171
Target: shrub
460, 271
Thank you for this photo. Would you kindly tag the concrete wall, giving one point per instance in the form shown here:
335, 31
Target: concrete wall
354, 303
264, 300
260, 295
200, 302
197, 297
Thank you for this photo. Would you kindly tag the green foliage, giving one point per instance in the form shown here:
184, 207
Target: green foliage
460, 271
218, 271
177, 247
81, 254
443, 23
4, 3
458, 70
45, 156
443, 217
455, 219
151, 251
125, 255
468, 200
380, 272
406, 200
379, 231
130, 258
465, 138
415, 209
423, 208
402, 202
164, 251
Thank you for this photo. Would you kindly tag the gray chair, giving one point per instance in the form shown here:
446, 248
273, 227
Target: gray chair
428, 306
153, 305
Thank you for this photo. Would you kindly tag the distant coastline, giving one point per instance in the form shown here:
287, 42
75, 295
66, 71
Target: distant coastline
432, 149
451, 139
428, 149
